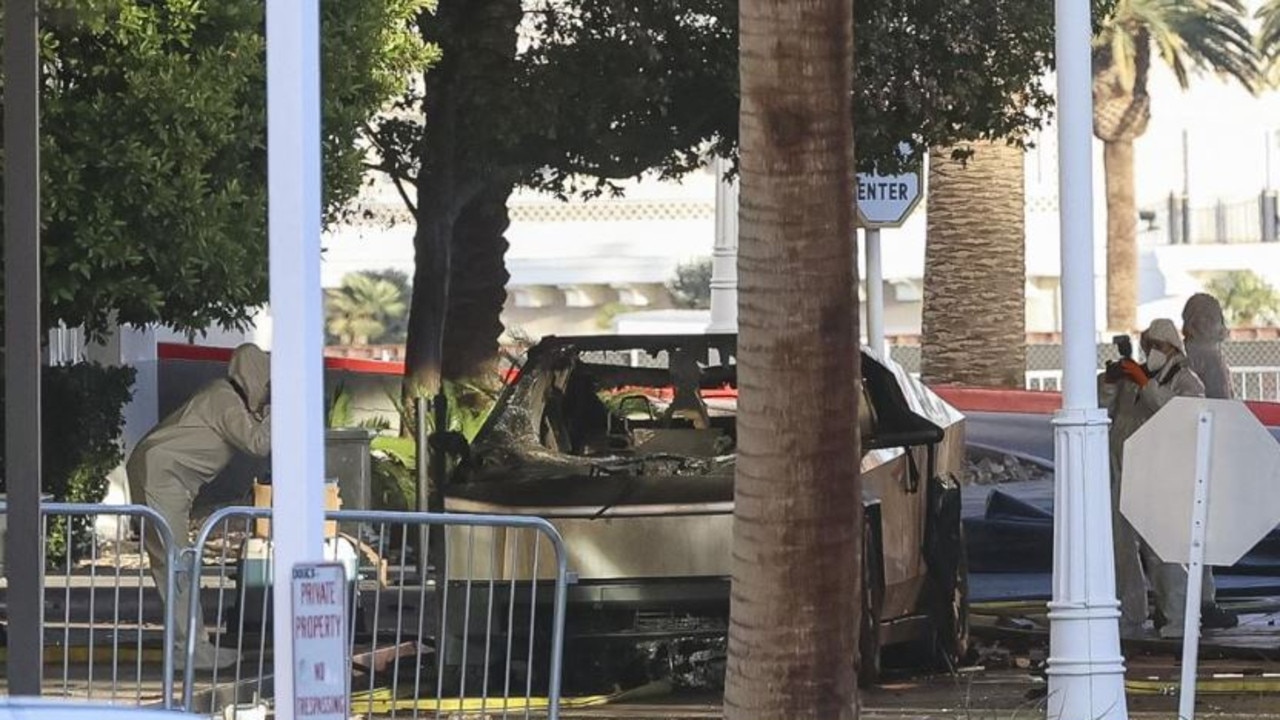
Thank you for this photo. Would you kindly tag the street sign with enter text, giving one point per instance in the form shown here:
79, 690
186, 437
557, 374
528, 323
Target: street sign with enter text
1243, 488
321, 678
886, 201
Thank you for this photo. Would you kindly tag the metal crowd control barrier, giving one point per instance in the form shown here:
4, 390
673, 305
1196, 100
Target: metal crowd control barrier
499, 597
100, 635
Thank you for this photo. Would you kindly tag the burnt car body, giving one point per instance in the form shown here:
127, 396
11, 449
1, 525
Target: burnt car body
626, 444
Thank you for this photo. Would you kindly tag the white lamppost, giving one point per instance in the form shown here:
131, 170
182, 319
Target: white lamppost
1086, 670
724, 257
293, 191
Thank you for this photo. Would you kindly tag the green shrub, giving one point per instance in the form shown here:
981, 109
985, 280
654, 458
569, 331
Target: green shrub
395, 473
82, 410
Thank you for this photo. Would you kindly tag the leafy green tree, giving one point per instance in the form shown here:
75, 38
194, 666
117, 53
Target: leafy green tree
154, 149
692, 284
1205, 34
360, 311
603, 90
1247, 299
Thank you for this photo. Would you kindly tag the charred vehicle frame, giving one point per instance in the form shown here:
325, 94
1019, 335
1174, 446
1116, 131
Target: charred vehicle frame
627, 444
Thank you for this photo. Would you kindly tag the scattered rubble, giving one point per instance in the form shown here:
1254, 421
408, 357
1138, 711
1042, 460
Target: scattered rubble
990, 467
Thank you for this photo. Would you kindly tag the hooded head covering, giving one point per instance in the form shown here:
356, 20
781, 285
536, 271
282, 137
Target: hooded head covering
1205, 328
250, 372
1202, 319
1163, 330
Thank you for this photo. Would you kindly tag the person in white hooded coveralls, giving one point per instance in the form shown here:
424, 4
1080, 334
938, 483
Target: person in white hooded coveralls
1166, 374
187, 450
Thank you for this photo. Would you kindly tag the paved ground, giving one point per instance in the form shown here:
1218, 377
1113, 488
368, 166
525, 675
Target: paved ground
976, 694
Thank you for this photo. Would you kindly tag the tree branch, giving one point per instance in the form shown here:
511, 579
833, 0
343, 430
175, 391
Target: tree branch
404, 194
398, 179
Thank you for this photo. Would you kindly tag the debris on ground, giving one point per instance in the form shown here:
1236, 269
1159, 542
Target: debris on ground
992, 467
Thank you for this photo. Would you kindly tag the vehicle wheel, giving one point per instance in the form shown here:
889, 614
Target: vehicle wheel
952, 619
947, 646
869, 650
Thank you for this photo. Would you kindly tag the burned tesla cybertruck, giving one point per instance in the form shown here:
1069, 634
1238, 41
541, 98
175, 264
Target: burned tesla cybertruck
627, 445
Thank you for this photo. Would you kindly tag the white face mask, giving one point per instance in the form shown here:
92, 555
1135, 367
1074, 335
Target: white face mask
1156, 360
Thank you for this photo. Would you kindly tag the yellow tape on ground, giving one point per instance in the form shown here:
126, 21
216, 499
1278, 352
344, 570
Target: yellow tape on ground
380, 701
1207, 686
101, 654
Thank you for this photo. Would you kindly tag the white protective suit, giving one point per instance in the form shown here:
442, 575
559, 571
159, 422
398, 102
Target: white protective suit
189, 449
1120, 398
1174, 379
1205, 329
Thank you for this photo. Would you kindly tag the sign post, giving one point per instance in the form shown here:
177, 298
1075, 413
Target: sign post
1214, 468
22, 331
321, 678
884, 201
297, 371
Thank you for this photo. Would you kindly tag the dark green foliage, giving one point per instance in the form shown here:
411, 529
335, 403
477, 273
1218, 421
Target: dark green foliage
397, 328
611, 90
692, 284
602, 90
83, 416
154, 149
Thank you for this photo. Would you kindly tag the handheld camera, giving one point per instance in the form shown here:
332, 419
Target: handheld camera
1124, 346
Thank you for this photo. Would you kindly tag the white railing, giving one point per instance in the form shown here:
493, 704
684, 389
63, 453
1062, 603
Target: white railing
1261, 384
1257, 384
66, 346
1044, 380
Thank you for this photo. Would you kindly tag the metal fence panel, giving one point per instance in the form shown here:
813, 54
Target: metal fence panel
105, 635
1255, 366
481, 631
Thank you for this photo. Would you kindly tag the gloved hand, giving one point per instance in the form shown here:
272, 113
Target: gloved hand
1112, 373
1133, 371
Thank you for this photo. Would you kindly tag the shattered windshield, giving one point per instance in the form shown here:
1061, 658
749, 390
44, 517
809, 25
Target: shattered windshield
647, 406
655, 409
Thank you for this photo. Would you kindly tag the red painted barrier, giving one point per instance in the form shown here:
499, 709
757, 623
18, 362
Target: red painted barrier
200, 353
1029, 402
964, 399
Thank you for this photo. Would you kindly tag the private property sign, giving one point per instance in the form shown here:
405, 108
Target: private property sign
321, 678
886, 201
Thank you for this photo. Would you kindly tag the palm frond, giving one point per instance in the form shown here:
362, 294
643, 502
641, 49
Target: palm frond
362, 308
1189, 35
1269, 40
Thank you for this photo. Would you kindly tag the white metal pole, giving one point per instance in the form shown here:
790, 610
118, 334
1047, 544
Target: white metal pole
1268, 141
875, 293
1195, 569
724, 256
1085, 669
293, 167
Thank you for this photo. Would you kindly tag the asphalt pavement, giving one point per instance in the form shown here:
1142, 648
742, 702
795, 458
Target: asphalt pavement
1030, 435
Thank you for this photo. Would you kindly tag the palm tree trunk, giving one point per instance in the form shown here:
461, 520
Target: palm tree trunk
1122, 237
797, 503
477, 285
478, 40
974, 318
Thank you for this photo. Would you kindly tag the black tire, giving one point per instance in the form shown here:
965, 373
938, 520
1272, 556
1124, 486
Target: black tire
947, 646
869, 667
952, 618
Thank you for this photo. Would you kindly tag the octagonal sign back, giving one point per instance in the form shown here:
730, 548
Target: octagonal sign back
1158, 480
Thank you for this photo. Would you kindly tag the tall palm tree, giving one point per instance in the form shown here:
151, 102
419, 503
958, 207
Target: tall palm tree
362, 308
797, 507
975, 301
1187, 35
